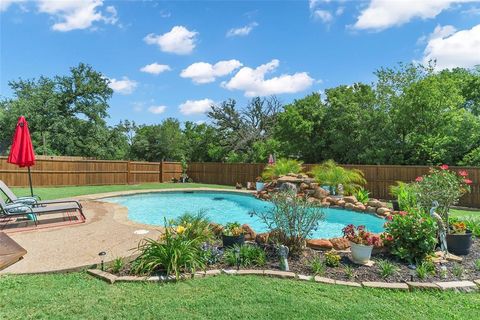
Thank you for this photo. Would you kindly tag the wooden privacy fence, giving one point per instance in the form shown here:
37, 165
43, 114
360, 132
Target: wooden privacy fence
68, 172
379, 177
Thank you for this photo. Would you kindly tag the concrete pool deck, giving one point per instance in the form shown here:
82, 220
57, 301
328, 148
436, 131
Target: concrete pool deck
76, 246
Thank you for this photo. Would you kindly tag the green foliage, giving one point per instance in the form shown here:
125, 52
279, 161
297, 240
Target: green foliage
349, 272
197, 226
362, 195
332, 259
117, 265
458, 270
477, 264
250, 255
294, 217
425, 269
442, 185
317, 266
405, 194
411, 236
173, 253
386, 268
281, 167
332, 174
233, 229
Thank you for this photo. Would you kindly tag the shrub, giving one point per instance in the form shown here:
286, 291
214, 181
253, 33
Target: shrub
406, 195
317, 266
362, 195
349, 272
386, 268
281, 167
425, 269
458, 270
332, 259
332, 174
474, 226
249, 256
477, 264
197, 226
411, 236
117, 265
173, 253
444, 186
294, 217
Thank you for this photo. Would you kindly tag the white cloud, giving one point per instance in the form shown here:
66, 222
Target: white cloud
157, 109
179, 40
339, 11
5, 4
123, 86
195, 106
155, 68
77, 14
253, 82
202, 72
323, 15
383, 14
451, 48
243, 31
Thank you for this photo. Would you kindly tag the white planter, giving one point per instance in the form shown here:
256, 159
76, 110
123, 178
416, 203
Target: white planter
360, 253
260, 186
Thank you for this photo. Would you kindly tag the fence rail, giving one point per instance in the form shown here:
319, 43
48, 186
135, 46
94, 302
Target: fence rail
67, 172
379, 177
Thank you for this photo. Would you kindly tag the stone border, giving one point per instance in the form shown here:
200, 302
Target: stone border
463, 286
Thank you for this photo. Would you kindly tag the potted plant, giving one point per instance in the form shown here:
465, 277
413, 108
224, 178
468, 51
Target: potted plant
459, 239
446, 187
260, 185
361, 242
232, 235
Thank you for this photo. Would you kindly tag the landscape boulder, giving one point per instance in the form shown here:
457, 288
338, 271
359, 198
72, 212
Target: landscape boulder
320, 193
350, 199
262, 238
349, 206
319, 244
383, 211
340, 243
249, 233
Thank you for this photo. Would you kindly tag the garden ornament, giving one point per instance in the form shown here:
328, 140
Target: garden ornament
442, 230
340, 189
283, 254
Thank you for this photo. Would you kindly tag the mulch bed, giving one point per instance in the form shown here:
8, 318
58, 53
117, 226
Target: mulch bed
349, 271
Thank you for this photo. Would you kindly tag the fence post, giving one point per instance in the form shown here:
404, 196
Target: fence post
161, 172
128, 172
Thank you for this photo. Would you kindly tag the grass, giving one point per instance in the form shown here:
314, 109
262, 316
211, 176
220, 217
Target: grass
47, 193
465, 214
80, 296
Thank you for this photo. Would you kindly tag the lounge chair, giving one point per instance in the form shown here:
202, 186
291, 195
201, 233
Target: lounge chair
10, 210
33, 200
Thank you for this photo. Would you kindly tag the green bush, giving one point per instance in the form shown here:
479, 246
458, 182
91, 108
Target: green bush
117, 265
362, 195
386, 268
250, 255
411, 236
173, 253
294, 218
425, 268
317, 266
281, 167
332, 259
331, 174
406, 195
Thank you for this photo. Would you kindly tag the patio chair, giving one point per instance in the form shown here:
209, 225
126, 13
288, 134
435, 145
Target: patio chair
33, 200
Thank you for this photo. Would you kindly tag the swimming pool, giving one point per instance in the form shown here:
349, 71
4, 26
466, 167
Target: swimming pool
223, 207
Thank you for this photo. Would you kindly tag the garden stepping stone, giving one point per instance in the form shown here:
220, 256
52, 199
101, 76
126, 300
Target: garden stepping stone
105, 276
324, 280
348, 283
385, 285
457, 285
441, 257
422, 286
279, 274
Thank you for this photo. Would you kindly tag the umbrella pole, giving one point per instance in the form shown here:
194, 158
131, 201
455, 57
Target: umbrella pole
30, 180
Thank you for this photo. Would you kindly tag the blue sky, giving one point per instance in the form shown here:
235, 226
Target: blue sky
173, 59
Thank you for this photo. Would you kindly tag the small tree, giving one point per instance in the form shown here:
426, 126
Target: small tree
332, 174
282, 167
442, 185
293, 218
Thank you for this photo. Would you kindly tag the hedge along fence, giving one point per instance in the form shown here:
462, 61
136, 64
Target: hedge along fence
79, 172
379, 177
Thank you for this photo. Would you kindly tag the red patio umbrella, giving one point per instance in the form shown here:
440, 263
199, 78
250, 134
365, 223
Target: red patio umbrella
21, 152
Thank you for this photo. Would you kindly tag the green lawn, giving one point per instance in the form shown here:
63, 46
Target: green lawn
80, 296
65, 192
465, 214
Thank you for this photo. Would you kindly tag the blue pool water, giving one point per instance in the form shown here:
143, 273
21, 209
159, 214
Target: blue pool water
223, 207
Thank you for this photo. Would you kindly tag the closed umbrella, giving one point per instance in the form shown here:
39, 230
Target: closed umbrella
21, 152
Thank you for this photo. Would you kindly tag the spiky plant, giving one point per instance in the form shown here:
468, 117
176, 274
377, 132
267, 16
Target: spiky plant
282, 167
331, 174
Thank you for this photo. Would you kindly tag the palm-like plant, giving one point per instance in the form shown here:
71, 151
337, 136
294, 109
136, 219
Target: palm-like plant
331, 174
282, 167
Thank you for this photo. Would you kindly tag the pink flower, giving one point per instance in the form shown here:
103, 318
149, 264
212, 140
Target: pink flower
444, 167
467, 181
390, 217
419, 179
463, 173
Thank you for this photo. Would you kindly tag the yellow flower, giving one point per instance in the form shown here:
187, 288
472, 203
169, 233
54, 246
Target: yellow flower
180, 229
